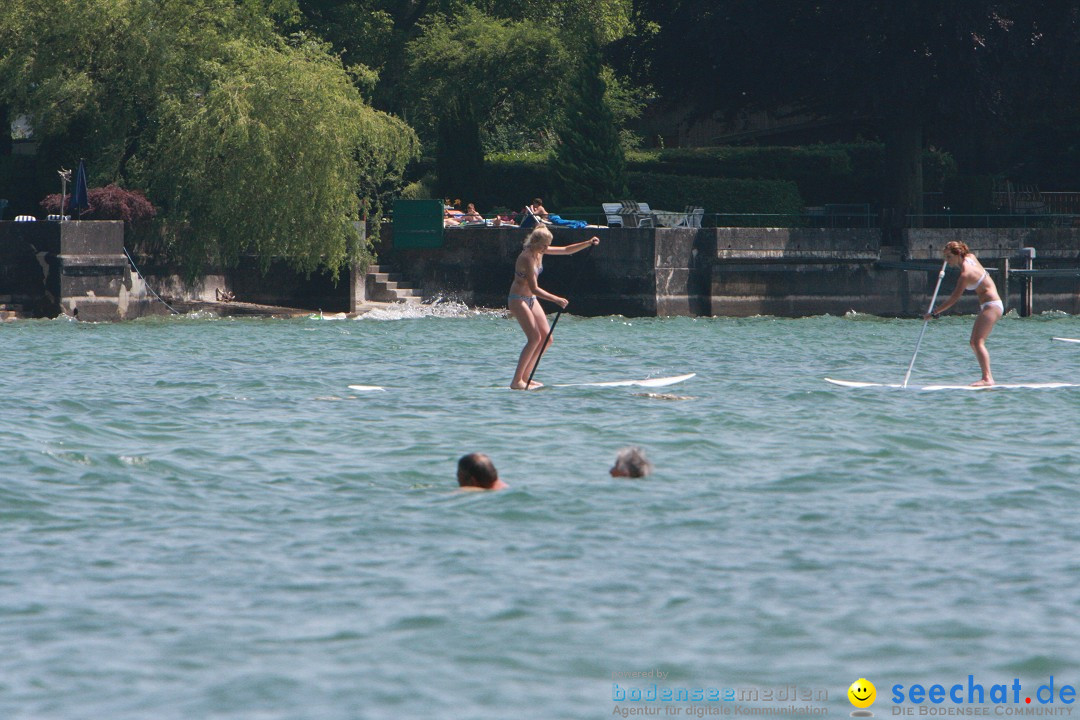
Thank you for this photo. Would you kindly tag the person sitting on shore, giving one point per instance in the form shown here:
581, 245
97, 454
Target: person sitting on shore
451, 216
471, 215
631, 462
536, 207
475, 471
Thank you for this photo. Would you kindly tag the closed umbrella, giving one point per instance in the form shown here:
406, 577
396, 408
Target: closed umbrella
79, 199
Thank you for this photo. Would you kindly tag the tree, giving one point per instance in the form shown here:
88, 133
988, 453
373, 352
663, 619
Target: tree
473, 72
378, 33
908, 68
265, 159
459, 154
588, 163
248, 143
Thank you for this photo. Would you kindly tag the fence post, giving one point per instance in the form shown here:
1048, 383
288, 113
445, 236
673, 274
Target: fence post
1028, 288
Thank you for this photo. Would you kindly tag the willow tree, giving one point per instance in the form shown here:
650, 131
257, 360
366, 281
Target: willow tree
265, 158
250, 143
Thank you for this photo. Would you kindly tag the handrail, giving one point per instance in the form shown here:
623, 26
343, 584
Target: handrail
868, 220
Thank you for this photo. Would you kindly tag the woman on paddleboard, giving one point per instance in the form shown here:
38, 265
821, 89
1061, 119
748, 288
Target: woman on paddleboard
525, 294
973, 276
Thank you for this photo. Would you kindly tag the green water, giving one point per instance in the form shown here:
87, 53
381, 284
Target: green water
198, 519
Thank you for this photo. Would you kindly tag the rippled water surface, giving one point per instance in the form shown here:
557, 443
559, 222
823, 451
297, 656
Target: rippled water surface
199, 519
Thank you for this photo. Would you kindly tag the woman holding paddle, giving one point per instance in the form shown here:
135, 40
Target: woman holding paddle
523, 305
973, 276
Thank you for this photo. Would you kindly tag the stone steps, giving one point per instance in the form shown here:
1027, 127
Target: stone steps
384, 284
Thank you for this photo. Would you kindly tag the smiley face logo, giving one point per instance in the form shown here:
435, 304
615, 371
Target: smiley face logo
862, 693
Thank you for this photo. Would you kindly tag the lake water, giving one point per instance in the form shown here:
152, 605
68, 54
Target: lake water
198, 519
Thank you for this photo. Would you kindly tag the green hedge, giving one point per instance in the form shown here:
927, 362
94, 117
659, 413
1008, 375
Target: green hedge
845, 173
720, 179
717, 195
512, 180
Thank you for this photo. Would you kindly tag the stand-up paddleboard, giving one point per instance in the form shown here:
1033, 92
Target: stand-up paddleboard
367, 388
999, 386
1072, 340
649, 382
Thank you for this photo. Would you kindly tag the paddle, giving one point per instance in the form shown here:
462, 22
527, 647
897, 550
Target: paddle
543, 348
940, 277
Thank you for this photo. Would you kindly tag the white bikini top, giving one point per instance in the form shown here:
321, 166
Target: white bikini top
978, 282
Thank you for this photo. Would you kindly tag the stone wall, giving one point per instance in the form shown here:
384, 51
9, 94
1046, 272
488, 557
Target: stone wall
787, 272
76, 268
53, 268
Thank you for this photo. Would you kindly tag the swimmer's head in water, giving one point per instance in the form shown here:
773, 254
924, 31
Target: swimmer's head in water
631, 462
477, 470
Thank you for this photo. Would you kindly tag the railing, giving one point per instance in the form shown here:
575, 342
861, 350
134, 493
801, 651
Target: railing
1062, 203
1003, 220
868, 219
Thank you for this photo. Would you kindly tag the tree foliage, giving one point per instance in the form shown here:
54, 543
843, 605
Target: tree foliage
459, 157
378, 33
265, 159
912, 69
106, 203
248, 143
507, 71
588, 161
473, 73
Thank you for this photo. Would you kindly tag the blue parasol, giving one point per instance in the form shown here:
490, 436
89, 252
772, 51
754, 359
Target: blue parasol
79, 199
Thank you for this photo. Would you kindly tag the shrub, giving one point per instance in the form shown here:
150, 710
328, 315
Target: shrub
512, 179
108, 203
836, 173
421, 189
716, 195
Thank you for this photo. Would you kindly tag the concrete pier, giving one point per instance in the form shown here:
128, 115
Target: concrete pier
72, 268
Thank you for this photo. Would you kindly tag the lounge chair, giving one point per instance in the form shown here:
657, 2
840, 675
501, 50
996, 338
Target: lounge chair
531, 219
694, 216
636, 214
613, 212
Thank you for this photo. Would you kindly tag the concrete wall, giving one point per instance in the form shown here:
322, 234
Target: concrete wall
739, 271
476, 266
277, 285
799, 271
1055, 249
53, 268
73, 268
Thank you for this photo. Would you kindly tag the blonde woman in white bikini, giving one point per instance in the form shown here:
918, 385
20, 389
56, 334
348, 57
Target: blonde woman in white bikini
973, 276
525, 293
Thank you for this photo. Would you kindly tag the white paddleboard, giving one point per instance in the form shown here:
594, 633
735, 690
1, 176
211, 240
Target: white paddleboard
367, 388
1072, 340
999, 386
649, 382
